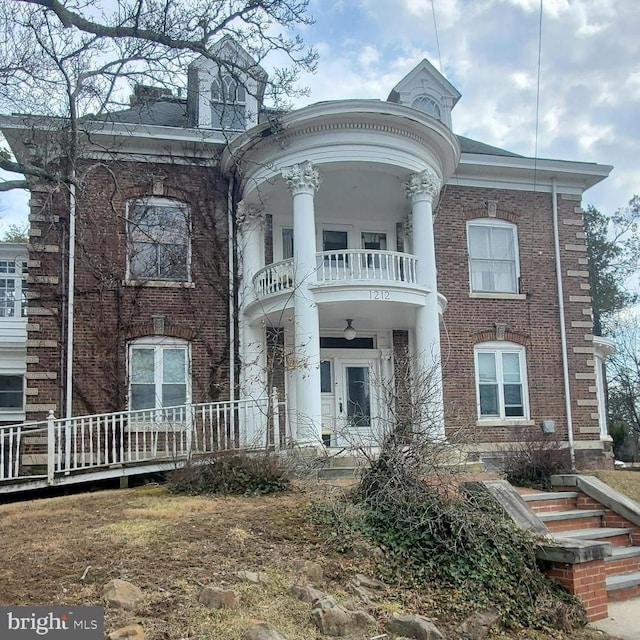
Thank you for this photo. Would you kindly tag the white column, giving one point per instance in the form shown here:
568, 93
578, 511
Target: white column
303, 180
253, 375
421, 190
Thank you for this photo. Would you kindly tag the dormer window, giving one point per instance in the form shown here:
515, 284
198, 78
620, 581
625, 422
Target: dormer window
427, 105
228, 103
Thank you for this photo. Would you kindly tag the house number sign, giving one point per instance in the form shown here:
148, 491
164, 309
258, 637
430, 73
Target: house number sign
379, 294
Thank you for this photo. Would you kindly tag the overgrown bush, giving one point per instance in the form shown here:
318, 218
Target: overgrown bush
239, 474
532, 462
463, 542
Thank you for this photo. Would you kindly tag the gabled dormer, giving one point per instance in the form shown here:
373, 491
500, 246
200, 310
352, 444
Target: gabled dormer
426, 89
225, 93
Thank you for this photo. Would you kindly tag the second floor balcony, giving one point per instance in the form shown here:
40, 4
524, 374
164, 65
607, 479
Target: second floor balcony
345, 267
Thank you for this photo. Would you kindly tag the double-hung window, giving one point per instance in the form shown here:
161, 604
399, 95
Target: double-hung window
501, 387
158, 373
493, 256
159, 247
11, 393
13, 289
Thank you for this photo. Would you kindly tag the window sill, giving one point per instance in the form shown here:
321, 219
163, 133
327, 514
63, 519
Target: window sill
11, 416
489, 295
514, 422
159, 284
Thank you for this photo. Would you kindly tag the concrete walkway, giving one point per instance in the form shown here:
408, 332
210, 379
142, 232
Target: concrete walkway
623, 621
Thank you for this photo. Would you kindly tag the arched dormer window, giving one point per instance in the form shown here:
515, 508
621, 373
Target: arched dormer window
427, 105
228, 103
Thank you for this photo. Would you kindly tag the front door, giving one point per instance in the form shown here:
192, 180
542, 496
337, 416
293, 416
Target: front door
348, 397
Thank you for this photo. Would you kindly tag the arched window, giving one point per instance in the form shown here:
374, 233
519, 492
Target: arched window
159, 372
427, 105
493, 256
501, 382
228, 103
158, 240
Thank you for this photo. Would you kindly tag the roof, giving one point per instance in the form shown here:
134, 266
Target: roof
467, 145
172, 112
166, 112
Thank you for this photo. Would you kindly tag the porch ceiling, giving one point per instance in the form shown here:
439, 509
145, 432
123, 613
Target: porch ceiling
349, 191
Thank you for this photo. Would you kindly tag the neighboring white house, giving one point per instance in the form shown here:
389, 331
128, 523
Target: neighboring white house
13, 331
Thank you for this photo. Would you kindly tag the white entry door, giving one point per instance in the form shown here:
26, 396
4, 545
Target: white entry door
348, 398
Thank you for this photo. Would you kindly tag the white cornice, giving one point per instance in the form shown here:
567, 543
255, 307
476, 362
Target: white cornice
345, 131
527, 174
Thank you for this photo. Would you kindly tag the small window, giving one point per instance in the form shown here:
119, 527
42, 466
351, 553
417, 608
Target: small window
11, 392
501, 381
13, 289
326, 378
287, 243
493, 256
158, 373
427, 105
334, 240
374, 241
158, 240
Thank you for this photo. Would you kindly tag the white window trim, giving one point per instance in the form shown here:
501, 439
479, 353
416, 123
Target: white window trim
495, 222
500, 346
158, 282
152, 342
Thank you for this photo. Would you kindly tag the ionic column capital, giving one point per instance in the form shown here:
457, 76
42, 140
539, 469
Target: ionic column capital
423, 186
302, 178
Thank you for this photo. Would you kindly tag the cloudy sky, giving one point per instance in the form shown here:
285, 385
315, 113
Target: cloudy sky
488, 49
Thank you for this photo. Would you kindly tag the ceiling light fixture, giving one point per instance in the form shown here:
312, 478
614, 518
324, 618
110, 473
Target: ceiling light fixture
349, 331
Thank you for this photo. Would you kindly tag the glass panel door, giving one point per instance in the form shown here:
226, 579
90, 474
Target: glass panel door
358, 396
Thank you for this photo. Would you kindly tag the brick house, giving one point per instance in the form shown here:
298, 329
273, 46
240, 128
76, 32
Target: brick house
215, 249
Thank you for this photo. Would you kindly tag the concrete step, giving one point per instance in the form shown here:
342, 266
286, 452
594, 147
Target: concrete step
338, 473
551, 501
623, 560
616, 536
558, 521
623, 586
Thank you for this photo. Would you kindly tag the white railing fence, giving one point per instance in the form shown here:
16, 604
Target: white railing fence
365, 264
340, 266
84, 443
274, 278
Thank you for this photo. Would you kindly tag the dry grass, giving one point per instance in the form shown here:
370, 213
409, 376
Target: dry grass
63, 550
627, 482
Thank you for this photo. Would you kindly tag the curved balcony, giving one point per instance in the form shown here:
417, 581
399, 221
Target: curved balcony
356, 266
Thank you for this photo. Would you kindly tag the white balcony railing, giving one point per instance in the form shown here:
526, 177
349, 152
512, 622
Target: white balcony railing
347, 265
363, 264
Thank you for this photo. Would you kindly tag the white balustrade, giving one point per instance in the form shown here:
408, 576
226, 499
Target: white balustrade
348, 265
367, 265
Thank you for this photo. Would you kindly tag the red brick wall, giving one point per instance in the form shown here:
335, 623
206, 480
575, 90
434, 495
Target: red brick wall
532, 322
109, 312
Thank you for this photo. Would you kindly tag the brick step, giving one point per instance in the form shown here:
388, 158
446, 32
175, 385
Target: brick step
551, 501
561, 521
623, 560
624, 586
616, 536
